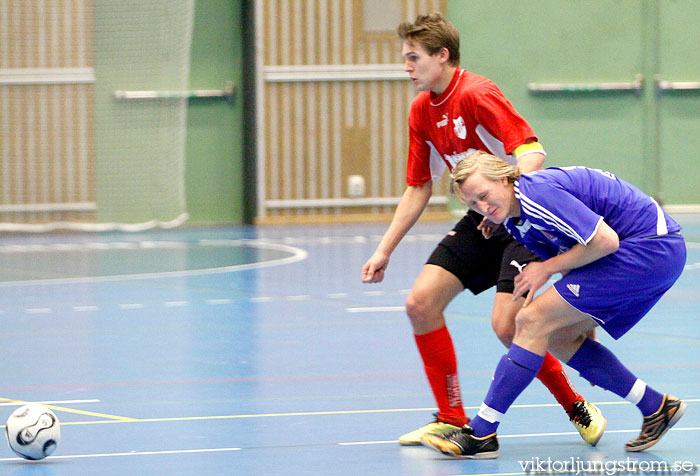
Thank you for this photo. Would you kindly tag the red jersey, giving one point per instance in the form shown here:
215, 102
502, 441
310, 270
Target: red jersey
471, 114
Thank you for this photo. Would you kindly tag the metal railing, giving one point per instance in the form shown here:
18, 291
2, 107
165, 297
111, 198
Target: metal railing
663, 85
226, 93
635, 86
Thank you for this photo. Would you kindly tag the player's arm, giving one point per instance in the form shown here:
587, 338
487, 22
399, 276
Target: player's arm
530, 156
535, 275
409, 209
494, 112
604, 242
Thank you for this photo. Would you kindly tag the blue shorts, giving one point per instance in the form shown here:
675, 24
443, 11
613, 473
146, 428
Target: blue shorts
620, 288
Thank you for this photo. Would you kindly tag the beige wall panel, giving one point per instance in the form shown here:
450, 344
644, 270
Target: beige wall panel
47, 151
317, 132
45, 34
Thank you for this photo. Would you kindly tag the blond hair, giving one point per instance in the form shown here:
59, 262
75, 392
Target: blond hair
492, 167
433, 32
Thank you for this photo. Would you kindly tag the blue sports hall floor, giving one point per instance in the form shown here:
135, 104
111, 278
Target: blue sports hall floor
258, 351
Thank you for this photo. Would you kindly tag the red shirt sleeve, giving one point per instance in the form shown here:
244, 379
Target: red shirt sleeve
493, 111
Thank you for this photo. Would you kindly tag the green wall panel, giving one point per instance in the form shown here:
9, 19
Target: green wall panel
214, 150
679, 112
563, 41
651, 141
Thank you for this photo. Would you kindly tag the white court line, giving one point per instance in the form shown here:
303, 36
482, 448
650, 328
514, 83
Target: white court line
523, 435
355, 443
261, 299
38, 310
85, 308
300, 297
47, 402
374, 293
351, 443
337, 295
134, 453
376, 309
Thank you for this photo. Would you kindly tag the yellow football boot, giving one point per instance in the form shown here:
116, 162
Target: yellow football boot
588, 420
435, 427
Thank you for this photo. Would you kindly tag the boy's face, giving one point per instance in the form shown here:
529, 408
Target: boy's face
492, 199
425, 71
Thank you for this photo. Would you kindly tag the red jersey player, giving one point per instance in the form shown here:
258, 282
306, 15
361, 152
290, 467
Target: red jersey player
457, 112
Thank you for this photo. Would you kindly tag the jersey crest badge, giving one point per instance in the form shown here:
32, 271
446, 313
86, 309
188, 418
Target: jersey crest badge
460, 127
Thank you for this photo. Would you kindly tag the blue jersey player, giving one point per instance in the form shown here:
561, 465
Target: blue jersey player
618, 252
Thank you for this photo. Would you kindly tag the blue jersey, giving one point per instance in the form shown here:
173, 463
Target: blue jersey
561, 207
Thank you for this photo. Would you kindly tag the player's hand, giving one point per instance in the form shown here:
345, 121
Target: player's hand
532, 278
487, 227
373, 270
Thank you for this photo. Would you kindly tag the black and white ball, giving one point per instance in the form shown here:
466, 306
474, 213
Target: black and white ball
33, 431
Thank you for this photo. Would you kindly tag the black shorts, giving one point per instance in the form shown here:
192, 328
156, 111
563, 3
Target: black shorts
477, 262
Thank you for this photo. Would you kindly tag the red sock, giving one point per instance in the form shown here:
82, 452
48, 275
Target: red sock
554, 377
440, 361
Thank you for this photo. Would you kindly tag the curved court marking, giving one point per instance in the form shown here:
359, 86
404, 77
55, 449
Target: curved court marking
297, 254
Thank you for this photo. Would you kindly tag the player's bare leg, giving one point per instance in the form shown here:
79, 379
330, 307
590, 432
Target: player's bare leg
432, 291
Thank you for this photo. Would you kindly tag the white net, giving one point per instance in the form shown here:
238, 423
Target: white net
71, 154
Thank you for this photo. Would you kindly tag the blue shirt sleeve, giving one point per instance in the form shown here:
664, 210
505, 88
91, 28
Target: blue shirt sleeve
550, 208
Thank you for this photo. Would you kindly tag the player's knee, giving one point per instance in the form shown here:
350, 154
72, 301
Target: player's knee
504, 329
526, 321
420, 308
416, 305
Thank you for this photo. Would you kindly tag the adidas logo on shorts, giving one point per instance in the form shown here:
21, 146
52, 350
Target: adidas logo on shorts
574, 288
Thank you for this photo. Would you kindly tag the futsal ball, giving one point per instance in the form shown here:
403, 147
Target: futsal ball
33, 431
